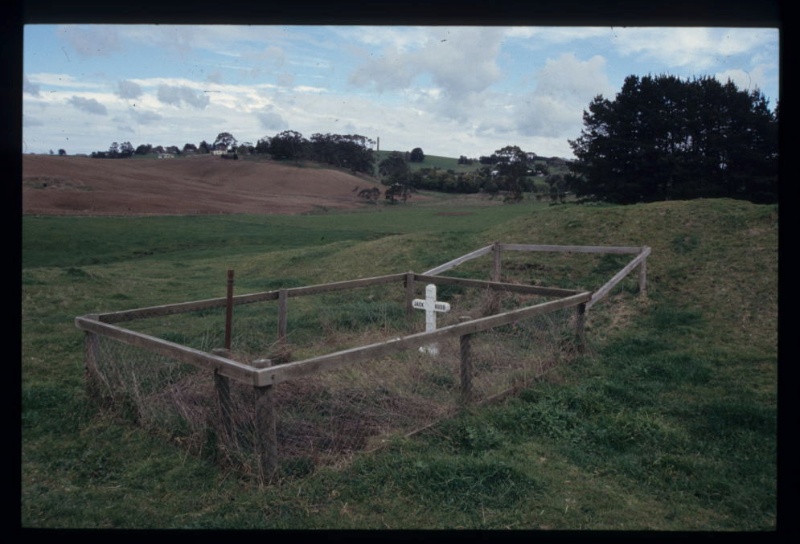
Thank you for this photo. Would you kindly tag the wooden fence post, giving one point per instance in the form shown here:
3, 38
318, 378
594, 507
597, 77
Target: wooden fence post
282, 319
224, 404
643, 277
91, 355
410, 291
265, 423
496, 262
229, 311
466, 369
493, 295
580, 326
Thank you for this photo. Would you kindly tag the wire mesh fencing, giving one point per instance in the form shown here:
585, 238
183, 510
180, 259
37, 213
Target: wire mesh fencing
325, 417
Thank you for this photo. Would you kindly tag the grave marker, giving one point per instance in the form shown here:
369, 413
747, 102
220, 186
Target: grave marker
431, 306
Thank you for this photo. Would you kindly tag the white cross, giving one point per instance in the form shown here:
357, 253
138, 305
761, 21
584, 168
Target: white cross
431, 306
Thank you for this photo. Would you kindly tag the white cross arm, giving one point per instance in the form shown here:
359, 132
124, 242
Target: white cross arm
421, 304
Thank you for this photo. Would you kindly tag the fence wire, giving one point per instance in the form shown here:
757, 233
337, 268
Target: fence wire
327, 417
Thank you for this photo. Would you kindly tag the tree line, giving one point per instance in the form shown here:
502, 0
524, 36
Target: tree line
508, 170
660, 138
664, 138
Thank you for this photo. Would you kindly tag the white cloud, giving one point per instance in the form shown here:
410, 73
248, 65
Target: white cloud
456, 65
465, 61
392, 70
91, 40
458, 60
272, 121
565, 86
179, 40
309, 89
214, 77
748, 81
125, 128
176, 95
29, 88
28, 121
539, 37
61, 80
285, 80
88, 105
145, 117
128, 89
449, 90
699, 48
573, 80
399, 39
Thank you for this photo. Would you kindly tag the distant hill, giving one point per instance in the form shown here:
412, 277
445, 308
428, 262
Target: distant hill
53, 185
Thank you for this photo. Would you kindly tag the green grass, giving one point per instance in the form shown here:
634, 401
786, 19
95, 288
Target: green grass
667, 423
79, 241
434, 161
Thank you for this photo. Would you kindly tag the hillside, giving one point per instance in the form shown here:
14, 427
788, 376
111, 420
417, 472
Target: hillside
53, 185
668, 423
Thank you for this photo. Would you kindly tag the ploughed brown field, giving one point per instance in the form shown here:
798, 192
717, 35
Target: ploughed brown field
53, 185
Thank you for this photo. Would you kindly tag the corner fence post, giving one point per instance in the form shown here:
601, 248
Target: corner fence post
265, 423
91, 356
224, 404
493, 297
643, 277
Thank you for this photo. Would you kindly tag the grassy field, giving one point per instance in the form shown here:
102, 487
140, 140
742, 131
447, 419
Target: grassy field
433, 161
669, 422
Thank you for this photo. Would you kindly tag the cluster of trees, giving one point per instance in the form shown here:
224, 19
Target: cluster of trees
350, 151
510, 171
665, 138
115, 151
224, 141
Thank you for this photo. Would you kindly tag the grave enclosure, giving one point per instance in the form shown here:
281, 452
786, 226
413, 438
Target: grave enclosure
277, 413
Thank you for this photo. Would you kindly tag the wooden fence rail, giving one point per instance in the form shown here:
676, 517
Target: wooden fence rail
570, 249
639, 261
298, 369
263, 375
185, 307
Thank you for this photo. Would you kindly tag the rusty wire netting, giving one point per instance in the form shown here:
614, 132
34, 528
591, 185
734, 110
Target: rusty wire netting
325, 417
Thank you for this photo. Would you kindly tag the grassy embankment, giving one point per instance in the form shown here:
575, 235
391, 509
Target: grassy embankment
669, 422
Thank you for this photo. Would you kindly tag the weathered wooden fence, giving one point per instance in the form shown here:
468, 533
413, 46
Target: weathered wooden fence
262, 375
496, 250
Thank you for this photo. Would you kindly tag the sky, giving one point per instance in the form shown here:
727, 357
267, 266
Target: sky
450, 90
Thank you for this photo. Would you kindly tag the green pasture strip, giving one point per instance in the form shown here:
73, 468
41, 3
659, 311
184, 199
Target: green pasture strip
80, 241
